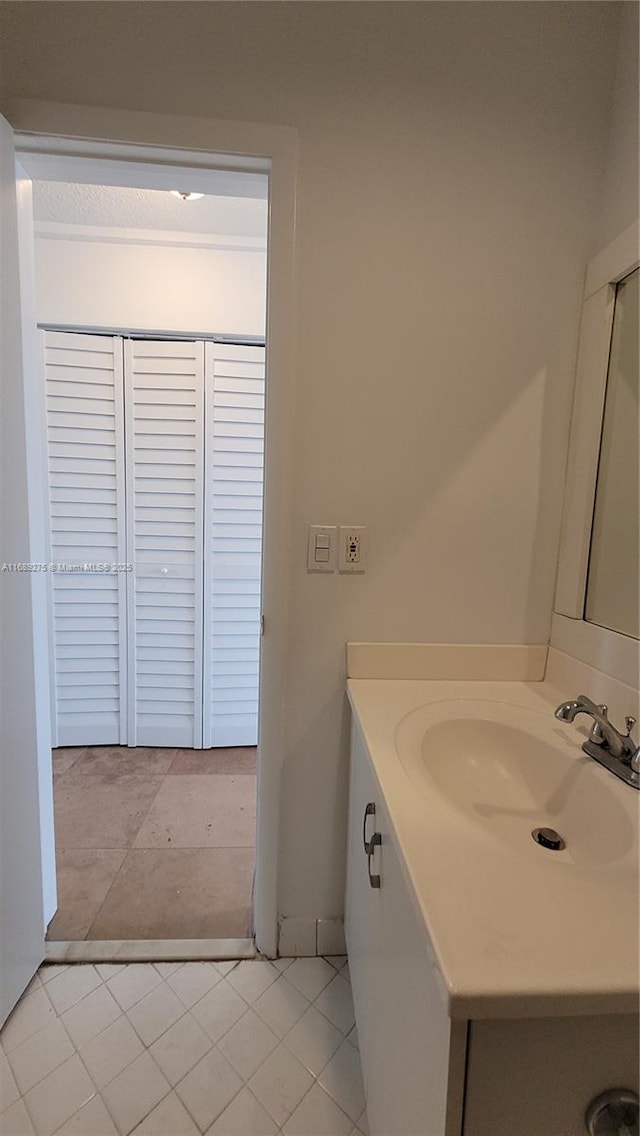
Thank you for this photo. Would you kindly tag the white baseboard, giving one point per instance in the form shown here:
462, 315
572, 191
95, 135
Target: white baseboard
306, 936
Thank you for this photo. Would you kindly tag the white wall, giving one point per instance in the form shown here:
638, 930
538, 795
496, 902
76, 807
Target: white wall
133, 281
451, 160
619, 205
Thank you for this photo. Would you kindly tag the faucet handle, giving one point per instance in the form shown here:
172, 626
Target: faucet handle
629, 723
596, 735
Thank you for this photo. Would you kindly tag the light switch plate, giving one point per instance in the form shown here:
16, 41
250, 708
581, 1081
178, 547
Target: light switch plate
321, 548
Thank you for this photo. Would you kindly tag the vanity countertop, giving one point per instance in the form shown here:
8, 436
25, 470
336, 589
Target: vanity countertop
514, 932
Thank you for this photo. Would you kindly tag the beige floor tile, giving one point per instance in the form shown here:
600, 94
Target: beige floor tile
111, 1051
108, 970
245, 1116
33, 985
84, 877
93, 811
310, 976
119, 761
313, 1040
252, 977
175, 893
33, 1012
74, 984
169, 1118
56, 1098
48, 971
336, 1003
15, 1121
247, 1044
193, 980
192, 811
39, 1055
93, 1118
281, 1006
342, 1079
91, 1015
219, 1010
9, 1091
180, 1048
133, 983
165, 969
281, 1083
241, 759
225, 966
317, 1115
209, 1088
134, 1092
156, 1012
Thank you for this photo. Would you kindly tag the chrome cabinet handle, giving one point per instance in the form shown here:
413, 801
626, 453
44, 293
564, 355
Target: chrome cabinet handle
370, 811
374, 879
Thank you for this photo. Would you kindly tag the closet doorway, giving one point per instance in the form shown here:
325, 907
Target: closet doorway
155, 459
155, 489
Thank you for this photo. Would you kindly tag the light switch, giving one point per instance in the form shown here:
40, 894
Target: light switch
321, 548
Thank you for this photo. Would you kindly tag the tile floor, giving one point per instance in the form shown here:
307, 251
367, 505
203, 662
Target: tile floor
154, 843
183, 1049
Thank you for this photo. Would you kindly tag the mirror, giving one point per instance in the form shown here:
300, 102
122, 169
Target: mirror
613, 579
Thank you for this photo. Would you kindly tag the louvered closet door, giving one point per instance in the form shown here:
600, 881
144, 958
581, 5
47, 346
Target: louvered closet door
86, 487
235, 391
164, 385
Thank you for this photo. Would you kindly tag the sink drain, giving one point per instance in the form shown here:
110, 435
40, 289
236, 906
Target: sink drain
548, 838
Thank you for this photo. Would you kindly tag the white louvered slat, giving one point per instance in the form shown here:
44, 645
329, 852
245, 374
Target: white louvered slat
234, 430
164, 407
86, 491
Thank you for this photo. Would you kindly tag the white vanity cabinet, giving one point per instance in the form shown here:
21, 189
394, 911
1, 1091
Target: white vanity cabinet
426, 1074
412, 1054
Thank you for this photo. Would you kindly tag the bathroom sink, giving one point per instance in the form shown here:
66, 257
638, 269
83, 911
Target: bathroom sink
510, 770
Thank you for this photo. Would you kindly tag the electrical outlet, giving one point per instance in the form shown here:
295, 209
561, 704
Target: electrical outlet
353, 548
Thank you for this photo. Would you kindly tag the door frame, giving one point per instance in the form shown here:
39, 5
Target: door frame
209, 144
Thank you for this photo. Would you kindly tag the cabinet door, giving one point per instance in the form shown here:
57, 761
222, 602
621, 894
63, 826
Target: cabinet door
164, 438
412, 1059
536, 1077
86, 498
234, 434
362, 912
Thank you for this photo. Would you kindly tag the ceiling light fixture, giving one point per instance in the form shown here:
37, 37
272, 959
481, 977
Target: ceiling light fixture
184, 196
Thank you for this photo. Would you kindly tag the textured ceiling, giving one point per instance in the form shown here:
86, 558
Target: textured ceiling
123, 208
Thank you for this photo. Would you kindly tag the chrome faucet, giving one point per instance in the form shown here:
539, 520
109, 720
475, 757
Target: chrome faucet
618, 752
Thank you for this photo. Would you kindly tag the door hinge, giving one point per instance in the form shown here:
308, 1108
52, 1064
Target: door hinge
262, 624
